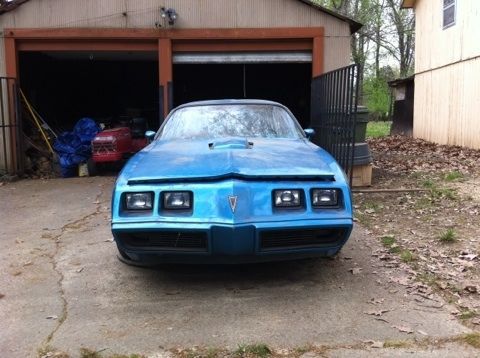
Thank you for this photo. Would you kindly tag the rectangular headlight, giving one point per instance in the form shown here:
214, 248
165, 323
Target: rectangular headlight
287, 198
139, 201
324, 197
177, 200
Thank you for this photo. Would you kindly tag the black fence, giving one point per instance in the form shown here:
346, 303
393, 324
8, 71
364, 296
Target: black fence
334, 110
11, 159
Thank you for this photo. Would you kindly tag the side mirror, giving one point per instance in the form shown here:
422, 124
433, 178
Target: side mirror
309, 132
149, 135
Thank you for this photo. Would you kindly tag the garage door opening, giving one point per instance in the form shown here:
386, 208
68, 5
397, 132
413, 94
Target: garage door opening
286, 83
106, 86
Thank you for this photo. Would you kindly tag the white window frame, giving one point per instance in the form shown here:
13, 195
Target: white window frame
446, 7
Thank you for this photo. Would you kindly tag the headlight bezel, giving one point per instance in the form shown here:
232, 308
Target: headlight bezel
299, 198
164, 197
146, 208
334, 205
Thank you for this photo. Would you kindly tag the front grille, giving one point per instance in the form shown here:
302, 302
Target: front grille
300, 238
167, 240
103, 147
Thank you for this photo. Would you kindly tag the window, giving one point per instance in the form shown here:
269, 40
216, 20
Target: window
449, 13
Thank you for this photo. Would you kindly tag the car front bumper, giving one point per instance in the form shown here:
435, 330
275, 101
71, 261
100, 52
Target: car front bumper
163, 242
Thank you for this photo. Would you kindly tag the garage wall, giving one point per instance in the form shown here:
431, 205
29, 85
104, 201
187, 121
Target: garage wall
192, 14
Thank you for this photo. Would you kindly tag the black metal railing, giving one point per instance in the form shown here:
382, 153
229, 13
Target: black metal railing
334, 108
11, 159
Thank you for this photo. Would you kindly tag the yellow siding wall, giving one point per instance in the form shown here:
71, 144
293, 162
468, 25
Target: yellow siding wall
435, 46
447, 79
447, 105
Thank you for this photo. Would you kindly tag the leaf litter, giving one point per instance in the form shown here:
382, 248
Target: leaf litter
432, 270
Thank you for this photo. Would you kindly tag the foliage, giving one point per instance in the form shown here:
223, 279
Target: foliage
378, 129
448, 236
387, 34
257, 350
377, 97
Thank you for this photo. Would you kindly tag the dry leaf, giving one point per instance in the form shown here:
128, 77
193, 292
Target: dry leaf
376, 301
355, 270
376, 313
404, 329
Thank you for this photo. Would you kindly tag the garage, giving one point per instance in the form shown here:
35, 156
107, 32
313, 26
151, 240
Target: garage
136, 60
278, 76
107, 86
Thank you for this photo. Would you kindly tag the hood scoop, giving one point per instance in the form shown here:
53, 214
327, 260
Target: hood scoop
230, 143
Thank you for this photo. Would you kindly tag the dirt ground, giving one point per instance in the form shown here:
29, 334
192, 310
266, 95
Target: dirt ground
433, 231
397, 289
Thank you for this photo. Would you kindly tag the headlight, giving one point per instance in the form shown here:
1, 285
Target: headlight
324, 197
287, 198
177, 199
139, 201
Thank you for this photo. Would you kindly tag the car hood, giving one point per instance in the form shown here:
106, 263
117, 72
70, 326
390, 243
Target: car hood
182, 160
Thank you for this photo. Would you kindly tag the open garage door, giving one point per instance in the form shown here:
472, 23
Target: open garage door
108, 86
283, 77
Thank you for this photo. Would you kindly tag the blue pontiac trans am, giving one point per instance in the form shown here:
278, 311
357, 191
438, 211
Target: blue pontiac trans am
230, 181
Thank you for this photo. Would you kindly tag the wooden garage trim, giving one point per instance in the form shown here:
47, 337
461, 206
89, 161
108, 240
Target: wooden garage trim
242, 45
165, 42
87, 45
174, 34
69, 39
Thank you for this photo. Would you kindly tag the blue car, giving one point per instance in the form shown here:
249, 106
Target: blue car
230, 181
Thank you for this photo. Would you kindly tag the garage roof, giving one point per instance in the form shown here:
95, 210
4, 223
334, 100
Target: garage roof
9, 5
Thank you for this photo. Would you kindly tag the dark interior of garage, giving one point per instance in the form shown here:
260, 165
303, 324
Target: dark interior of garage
287, 83
111, 86
108, 87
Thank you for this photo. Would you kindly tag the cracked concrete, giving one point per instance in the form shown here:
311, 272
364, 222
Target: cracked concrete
57, 265
75, 225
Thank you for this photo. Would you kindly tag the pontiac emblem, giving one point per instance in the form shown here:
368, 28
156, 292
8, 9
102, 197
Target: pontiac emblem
233, 202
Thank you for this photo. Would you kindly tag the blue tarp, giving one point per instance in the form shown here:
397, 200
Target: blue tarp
74, 147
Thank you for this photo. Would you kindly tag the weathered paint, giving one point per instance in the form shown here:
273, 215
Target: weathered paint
447, 74
229, 14
331, 50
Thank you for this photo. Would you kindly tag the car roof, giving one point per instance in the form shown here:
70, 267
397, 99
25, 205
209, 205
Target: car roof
229, 101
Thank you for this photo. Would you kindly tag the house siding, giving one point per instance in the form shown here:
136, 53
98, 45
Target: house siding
447, 74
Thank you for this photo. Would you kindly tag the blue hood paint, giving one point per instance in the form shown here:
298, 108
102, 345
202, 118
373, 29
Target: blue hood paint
238, 157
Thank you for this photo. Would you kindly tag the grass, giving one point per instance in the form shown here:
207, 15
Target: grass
473, 339
428, 183
407, 256
467, 315
396, 344
378, 129
452, 176
390, 243
49, 351
448, 236
256, 350
438, 193
88, 353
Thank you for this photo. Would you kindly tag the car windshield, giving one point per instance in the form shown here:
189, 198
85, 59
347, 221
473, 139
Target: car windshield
231, 120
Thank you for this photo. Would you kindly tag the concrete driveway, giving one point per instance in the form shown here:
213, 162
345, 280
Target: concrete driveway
63, 286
